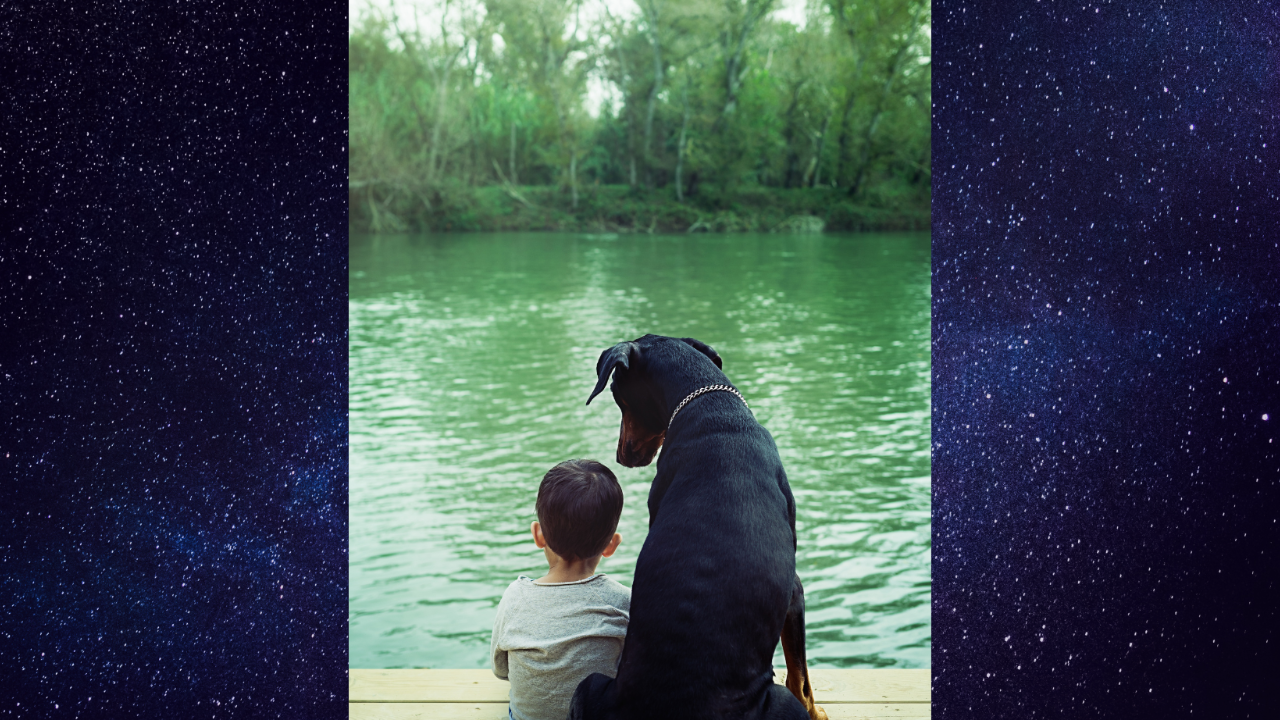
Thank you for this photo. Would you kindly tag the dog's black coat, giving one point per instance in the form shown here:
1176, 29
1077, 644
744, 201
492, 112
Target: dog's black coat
716, 575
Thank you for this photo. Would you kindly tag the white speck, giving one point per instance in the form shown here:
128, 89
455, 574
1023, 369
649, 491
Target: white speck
1193, 127
1264, 418
1224, 379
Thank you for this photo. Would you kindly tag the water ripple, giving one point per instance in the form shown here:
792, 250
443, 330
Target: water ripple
471, 360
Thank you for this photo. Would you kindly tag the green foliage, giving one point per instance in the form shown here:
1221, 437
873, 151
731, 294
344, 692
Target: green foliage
719, 117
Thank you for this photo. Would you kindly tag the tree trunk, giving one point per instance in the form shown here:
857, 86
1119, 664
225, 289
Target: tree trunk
631, 110
651, 18
573, 177
684, 129
817, 153
788, 134
894, 68
733, 79
514, 181
735, 73
442, 94
842, 150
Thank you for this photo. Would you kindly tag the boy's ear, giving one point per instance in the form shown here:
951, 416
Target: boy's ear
538, 539
613, 545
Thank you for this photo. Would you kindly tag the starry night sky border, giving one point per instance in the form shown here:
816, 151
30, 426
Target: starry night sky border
204, 426
173, 524
1106, 327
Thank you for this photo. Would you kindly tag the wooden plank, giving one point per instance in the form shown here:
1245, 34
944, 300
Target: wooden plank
875, 711
480, 686
498, 711
445, 686
422, 711
857, 686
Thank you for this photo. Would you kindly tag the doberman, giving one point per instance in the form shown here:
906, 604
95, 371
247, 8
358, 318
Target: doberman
715, 584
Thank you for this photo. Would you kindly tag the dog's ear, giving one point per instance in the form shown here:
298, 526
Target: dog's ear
620, 354
705, 349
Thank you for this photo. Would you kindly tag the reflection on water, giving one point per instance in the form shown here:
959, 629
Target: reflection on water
472, 357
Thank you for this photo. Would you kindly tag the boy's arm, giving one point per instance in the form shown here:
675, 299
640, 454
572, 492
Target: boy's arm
623, 606
499, 662
498, 654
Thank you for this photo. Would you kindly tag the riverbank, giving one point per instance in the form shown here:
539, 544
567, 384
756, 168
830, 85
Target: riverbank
622, 209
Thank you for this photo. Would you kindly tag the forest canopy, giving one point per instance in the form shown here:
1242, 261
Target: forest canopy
674, 114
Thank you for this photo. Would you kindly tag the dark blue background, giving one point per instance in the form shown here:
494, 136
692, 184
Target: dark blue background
1106, 331
174, 360
172, 521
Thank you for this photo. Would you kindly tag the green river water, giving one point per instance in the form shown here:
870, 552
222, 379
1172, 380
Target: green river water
472, 357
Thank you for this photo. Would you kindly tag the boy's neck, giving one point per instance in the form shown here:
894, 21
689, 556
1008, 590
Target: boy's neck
562, 571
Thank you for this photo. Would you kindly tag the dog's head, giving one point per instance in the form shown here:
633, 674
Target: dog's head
641, 396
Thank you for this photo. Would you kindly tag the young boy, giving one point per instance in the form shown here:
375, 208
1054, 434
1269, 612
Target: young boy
552, 632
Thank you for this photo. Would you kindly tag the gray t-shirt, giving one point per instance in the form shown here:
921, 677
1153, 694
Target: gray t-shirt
548, 638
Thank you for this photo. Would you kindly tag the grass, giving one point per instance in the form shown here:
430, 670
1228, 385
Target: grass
622, 209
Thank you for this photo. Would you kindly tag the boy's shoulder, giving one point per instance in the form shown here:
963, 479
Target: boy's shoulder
596, 585
519, 585
612, 593
613, 586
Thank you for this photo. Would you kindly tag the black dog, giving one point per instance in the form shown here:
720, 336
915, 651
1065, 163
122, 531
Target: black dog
715, 584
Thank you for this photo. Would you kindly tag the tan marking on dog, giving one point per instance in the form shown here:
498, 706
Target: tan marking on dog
636, 445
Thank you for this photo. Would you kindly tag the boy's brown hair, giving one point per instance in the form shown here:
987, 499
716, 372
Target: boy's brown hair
579, 503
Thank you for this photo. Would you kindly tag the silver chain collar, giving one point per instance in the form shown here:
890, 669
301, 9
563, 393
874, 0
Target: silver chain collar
707, 389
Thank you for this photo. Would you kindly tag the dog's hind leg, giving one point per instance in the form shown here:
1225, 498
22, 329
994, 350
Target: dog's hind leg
793, 650
780, 705
594, 699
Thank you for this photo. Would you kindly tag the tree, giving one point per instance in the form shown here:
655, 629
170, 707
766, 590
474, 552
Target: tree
708, 100
544, 48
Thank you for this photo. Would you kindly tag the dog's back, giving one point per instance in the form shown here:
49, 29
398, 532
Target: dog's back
715, 574
714, 577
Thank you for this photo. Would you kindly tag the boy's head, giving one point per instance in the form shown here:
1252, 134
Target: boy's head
579, 503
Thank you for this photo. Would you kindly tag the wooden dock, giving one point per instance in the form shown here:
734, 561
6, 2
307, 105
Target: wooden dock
478, 695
